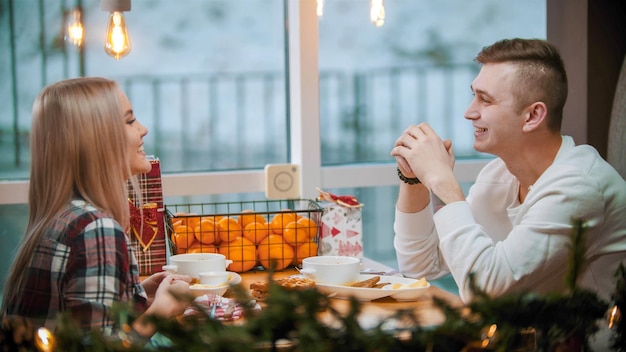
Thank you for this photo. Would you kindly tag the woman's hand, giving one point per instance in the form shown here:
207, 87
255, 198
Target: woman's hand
151, 284
172, 296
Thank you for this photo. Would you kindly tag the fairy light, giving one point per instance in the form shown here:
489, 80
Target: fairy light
488, 335
614, 316
44, 340
377, 12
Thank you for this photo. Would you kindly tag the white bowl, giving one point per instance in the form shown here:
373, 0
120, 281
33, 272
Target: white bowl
194, 263
214, 278
331, 270
200, 289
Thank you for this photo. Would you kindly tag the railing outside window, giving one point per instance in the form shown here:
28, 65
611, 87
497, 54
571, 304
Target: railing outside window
237, 121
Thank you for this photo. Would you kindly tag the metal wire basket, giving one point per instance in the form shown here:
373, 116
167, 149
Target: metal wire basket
259, 234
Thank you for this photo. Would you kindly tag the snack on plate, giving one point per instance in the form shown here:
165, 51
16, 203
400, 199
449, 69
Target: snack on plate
419, 283
261, 288
370, 283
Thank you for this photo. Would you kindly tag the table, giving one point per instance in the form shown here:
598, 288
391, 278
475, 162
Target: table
375, 311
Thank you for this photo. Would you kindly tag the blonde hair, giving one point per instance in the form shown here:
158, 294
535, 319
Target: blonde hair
78, 150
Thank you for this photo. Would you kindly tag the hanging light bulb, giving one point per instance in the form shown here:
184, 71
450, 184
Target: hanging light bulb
74, 30
377, 12
117, 41
320, 8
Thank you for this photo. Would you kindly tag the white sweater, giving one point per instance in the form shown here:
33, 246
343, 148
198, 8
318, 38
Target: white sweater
512, 246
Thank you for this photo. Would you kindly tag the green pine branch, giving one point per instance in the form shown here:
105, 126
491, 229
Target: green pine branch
486, 324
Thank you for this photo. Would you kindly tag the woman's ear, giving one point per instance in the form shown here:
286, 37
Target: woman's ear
536, 114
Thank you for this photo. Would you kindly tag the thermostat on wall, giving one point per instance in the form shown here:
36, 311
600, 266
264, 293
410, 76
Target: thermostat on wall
282, 181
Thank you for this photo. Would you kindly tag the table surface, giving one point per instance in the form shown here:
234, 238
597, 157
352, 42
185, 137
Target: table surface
373, 312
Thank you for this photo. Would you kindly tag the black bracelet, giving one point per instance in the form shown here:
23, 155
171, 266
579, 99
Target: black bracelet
411, 181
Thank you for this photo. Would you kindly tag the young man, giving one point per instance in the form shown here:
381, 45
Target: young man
514, 229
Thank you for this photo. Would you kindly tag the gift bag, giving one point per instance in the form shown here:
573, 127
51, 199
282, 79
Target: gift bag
147, 229
342, 226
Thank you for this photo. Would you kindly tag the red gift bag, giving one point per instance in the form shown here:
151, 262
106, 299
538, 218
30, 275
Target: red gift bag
147, 230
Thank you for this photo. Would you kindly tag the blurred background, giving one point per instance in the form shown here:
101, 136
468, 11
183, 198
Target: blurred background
211, 81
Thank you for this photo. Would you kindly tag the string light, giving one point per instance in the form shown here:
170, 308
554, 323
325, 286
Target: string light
44, 340
377, 12
489, 336
74, 30
117, 41
613, 316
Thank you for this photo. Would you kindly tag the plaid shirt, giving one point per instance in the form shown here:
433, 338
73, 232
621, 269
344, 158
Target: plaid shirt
82, 265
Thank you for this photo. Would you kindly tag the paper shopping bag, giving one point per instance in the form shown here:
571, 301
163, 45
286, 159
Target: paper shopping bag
147, 230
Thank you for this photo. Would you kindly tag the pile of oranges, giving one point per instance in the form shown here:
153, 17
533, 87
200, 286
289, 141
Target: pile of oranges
249, 239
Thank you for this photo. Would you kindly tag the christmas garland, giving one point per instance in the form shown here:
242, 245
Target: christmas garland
290, 321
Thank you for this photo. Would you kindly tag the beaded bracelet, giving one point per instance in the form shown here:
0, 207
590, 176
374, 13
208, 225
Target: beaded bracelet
410, 181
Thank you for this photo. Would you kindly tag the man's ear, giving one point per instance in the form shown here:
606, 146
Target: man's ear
536, 114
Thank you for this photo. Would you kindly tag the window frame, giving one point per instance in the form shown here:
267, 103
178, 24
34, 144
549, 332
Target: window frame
304, 139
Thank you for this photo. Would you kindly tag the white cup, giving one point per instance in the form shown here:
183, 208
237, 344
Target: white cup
194, 263
332, 270
214, 278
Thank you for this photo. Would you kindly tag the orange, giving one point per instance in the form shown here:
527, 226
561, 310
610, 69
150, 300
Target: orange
309, 225
198, 247
177, 222
305, 250
183, 237
273, 249
248, 216
294, 234
242, 252
193, 221
228, 229
186, 219
280, 220
256, 231
205, 231
180, 216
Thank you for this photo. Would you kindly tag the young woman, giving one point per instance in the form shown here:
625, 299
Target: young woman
75, 256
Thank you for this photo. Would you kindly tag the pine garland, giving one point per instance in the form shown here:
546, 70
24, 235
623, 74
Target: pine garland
563, 321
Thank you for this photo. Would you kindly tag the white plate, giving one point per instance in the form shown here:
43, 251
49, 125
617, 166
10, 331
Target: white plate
199, 289
368, 294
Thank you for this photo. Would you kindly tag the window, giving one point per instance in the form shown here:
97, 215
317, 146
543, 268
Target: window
416, 67
209, 79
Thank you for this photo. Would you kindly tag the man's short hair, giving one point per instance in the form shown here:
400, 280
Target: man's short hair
540, 75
